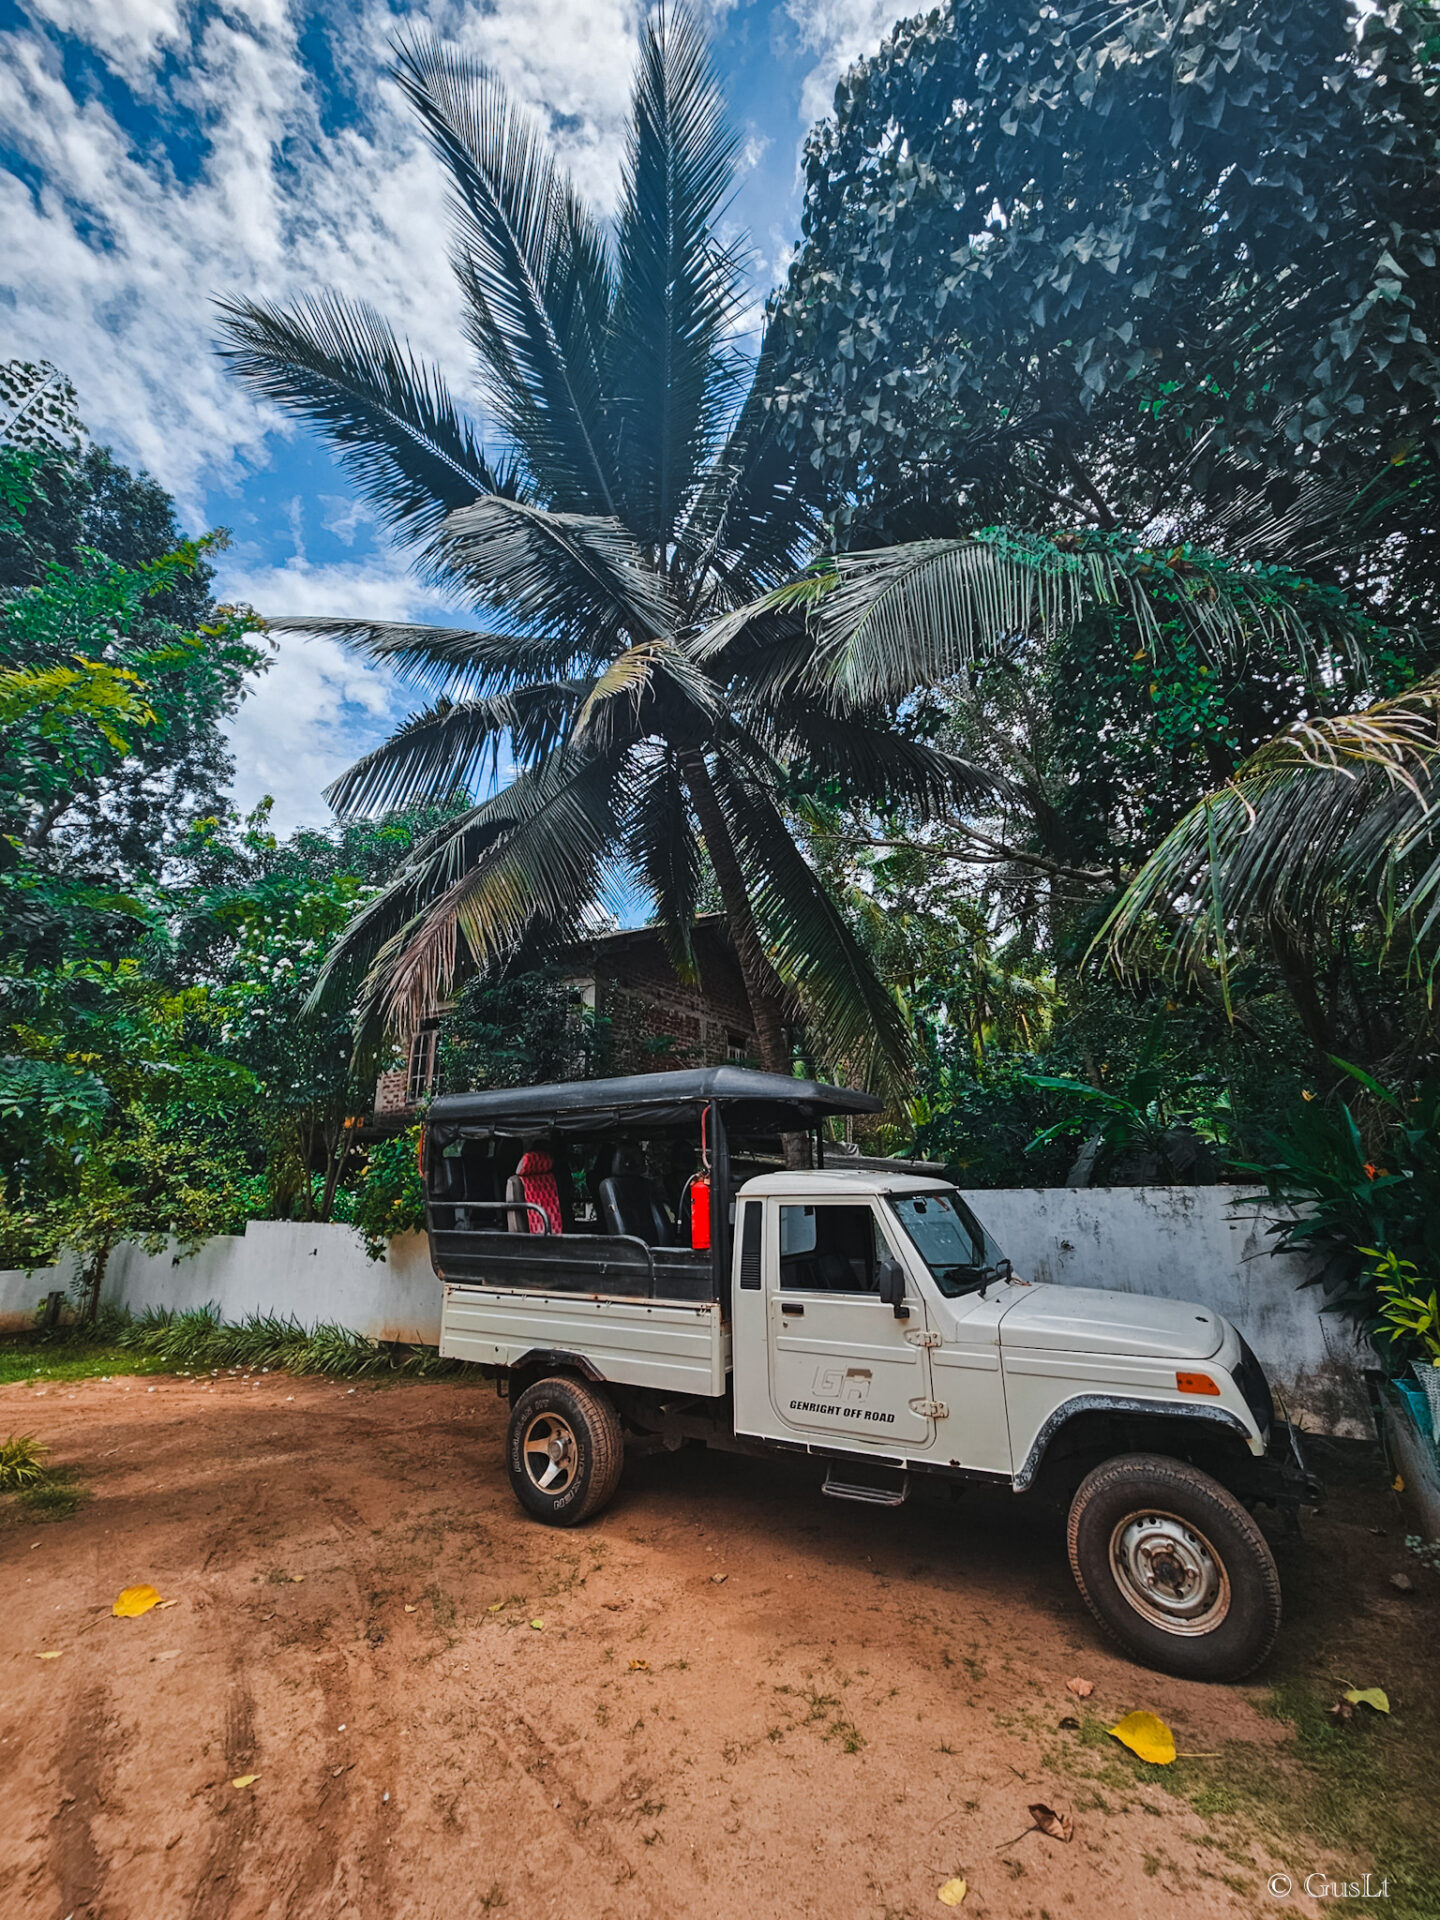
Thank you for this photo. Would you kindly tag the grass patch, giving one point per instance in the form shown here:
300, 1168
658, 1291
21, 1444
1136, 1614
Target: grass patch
161, 1340
22, 1461
53, 1499
27, 1360
1363, 1789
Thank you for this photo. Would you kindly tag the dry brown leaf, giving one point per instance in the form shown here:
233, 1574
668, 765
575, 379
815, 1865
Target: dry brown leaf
952, 1893
1082, 1689
1059, 1826
134, 1601
1402, 1583
1070, 1723
410, 1609
639, 1666
1340, 1712
718, 1579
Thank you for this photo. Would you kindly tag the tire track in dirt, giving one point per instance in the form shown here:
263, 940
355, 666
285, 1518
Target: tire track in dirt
75, 1859
220, 1877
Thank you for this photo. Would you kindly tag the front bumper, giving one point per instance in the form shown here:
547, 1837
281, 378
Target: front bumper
1282, 1476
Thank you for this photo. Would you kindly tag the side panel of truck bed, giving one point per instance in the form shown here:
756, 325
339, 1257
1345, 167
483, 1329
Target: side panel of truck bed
677, 1346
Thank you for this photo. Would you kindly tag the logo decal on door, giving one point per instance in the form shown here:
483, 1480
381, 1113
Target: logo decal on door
843, 1391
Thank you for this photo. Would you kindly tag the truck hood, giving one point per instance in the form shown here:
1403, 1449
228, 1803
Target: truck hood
1091, 1320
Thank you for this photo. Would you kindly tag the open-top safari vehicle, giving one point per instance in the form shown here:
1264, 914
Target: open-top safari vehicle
642, 1257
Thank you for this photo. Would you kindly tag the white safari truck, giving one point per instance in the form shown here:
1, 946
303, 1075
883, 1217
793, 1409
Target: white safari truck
639, 1259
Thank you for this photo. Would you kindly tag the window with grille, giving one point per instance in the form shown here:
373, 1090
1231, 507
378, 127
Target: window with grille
421, 1075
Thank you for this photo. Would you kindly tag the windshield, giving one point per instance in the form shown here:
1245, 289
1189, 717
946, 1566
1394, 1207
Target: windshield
951, 1241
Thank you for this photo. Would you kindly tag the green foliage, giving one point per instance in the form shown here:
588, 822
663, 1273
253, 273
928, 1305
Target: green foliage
1360, 1179
1409, 1318
516, 1028
200, 1339
22, 1461
110, 709
391, 1199
1119, 264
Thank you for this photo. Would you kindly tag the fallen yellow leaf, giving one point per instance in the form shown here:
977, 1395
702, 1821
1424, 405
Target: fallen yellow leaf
1375, 1697
410, 1609
1147, 1737
53, 1654
296, 1578
495, 1606
1397, 1485
538, 1625
952, 1893
244, 1779
639, 1666
134, 1601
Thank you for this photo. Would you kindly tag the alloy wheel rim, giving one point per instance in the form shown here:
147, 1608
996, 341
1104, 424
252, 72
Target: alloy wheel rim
1169, 1573
550, 1453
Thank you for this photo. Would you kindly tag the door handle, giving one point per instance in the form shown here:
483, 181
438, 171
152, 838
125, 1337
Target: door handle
791, 1306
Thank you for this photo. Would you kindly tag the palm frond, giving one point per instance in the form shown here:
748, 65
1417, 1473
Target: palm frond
572, 575
459, 662
856, 1018
448, 749
1333, 813
534, 271
672, 384
555, 830
661, 838
873, 764
630, 684
915, 615
391, 420
757, 512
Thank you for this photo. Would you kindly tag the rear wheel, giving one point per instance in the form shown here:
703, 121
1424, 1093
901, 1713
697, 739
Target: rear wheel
565, 1450
1174, 1568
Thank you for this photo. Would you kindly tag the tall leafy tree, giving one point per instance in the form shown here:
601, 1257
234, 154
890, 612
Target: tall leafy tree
1094, 264
614, 552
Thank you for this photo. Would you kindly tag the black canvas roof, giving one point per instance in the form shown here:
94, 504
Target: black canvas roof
755, 1102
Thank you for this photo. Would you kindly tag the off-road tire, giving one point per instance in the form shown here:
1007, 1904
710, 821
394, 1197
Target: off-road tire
1122, 1518
584, 1423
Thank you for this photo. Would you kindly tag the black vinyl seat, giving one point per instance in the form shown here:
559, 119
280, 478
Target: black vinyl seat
631, 1203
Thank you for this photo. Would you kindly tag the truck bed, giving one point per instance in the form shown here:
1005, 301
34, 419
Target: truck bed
678, 1346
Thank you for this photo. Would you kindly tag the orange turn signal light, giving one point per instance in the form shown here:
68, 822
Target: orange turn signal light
1196, 1383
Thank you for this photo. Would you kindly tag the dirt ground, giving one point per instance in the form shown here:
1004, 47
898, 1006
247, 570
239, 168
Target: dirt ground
725, 1697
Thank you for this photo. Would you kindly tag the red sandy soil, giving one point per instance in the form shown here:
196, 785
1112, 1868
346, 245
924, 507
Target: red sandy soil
725, 1697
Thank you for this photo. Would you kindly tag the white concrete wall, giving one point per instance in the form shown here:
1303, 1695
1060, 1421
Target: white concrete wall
1185, 1243
315, 1273
1207, 1244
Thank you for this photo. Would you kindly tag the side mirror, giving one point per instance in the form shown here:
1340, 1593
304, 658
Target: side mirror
891, 1278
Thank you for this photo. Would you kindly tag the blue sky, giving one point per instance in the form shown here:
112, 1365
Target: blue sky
155, 152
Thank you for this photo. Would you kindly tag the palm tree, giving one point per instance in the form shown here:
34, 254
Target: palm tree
1335, 820
633, 657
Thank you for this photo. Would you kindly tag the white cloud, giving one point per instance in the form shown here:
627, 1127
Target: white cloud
839, 32
318, 707
110, 264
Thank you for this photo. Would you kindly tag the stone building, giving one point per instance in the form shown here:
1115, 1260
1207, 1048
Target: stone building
653, 1019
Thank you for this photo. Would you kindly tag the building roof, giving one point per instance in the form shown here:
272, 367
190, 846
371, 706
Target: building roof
754, 1102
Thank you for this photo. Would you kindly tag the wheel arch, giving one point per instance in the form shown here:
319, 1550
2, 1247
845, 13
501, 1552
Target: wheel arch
538, 1362
1090, 1427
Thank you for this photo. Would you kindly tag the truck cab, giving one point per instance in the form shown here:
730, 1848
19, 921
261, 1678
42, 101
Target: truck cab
771, 1300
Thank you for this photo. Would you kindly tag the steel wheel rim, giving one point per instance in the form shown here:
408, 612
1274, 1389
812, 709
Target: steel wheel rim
1169, 1573
550, 1453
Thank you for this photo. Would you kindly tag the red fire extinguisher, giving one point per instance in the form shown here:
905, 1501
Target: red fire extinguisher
700, 1193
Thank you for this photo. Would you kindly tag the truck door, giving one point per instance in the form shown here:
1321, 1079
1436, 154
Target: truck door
840, 1363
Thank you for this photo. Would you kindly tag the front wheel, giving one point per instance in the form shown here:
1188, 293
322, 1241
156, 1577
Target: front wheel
1174, 1568
564, 1450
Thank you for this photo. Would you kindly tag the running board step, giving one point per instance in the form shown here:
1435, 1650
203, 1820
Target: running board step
893, 1496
